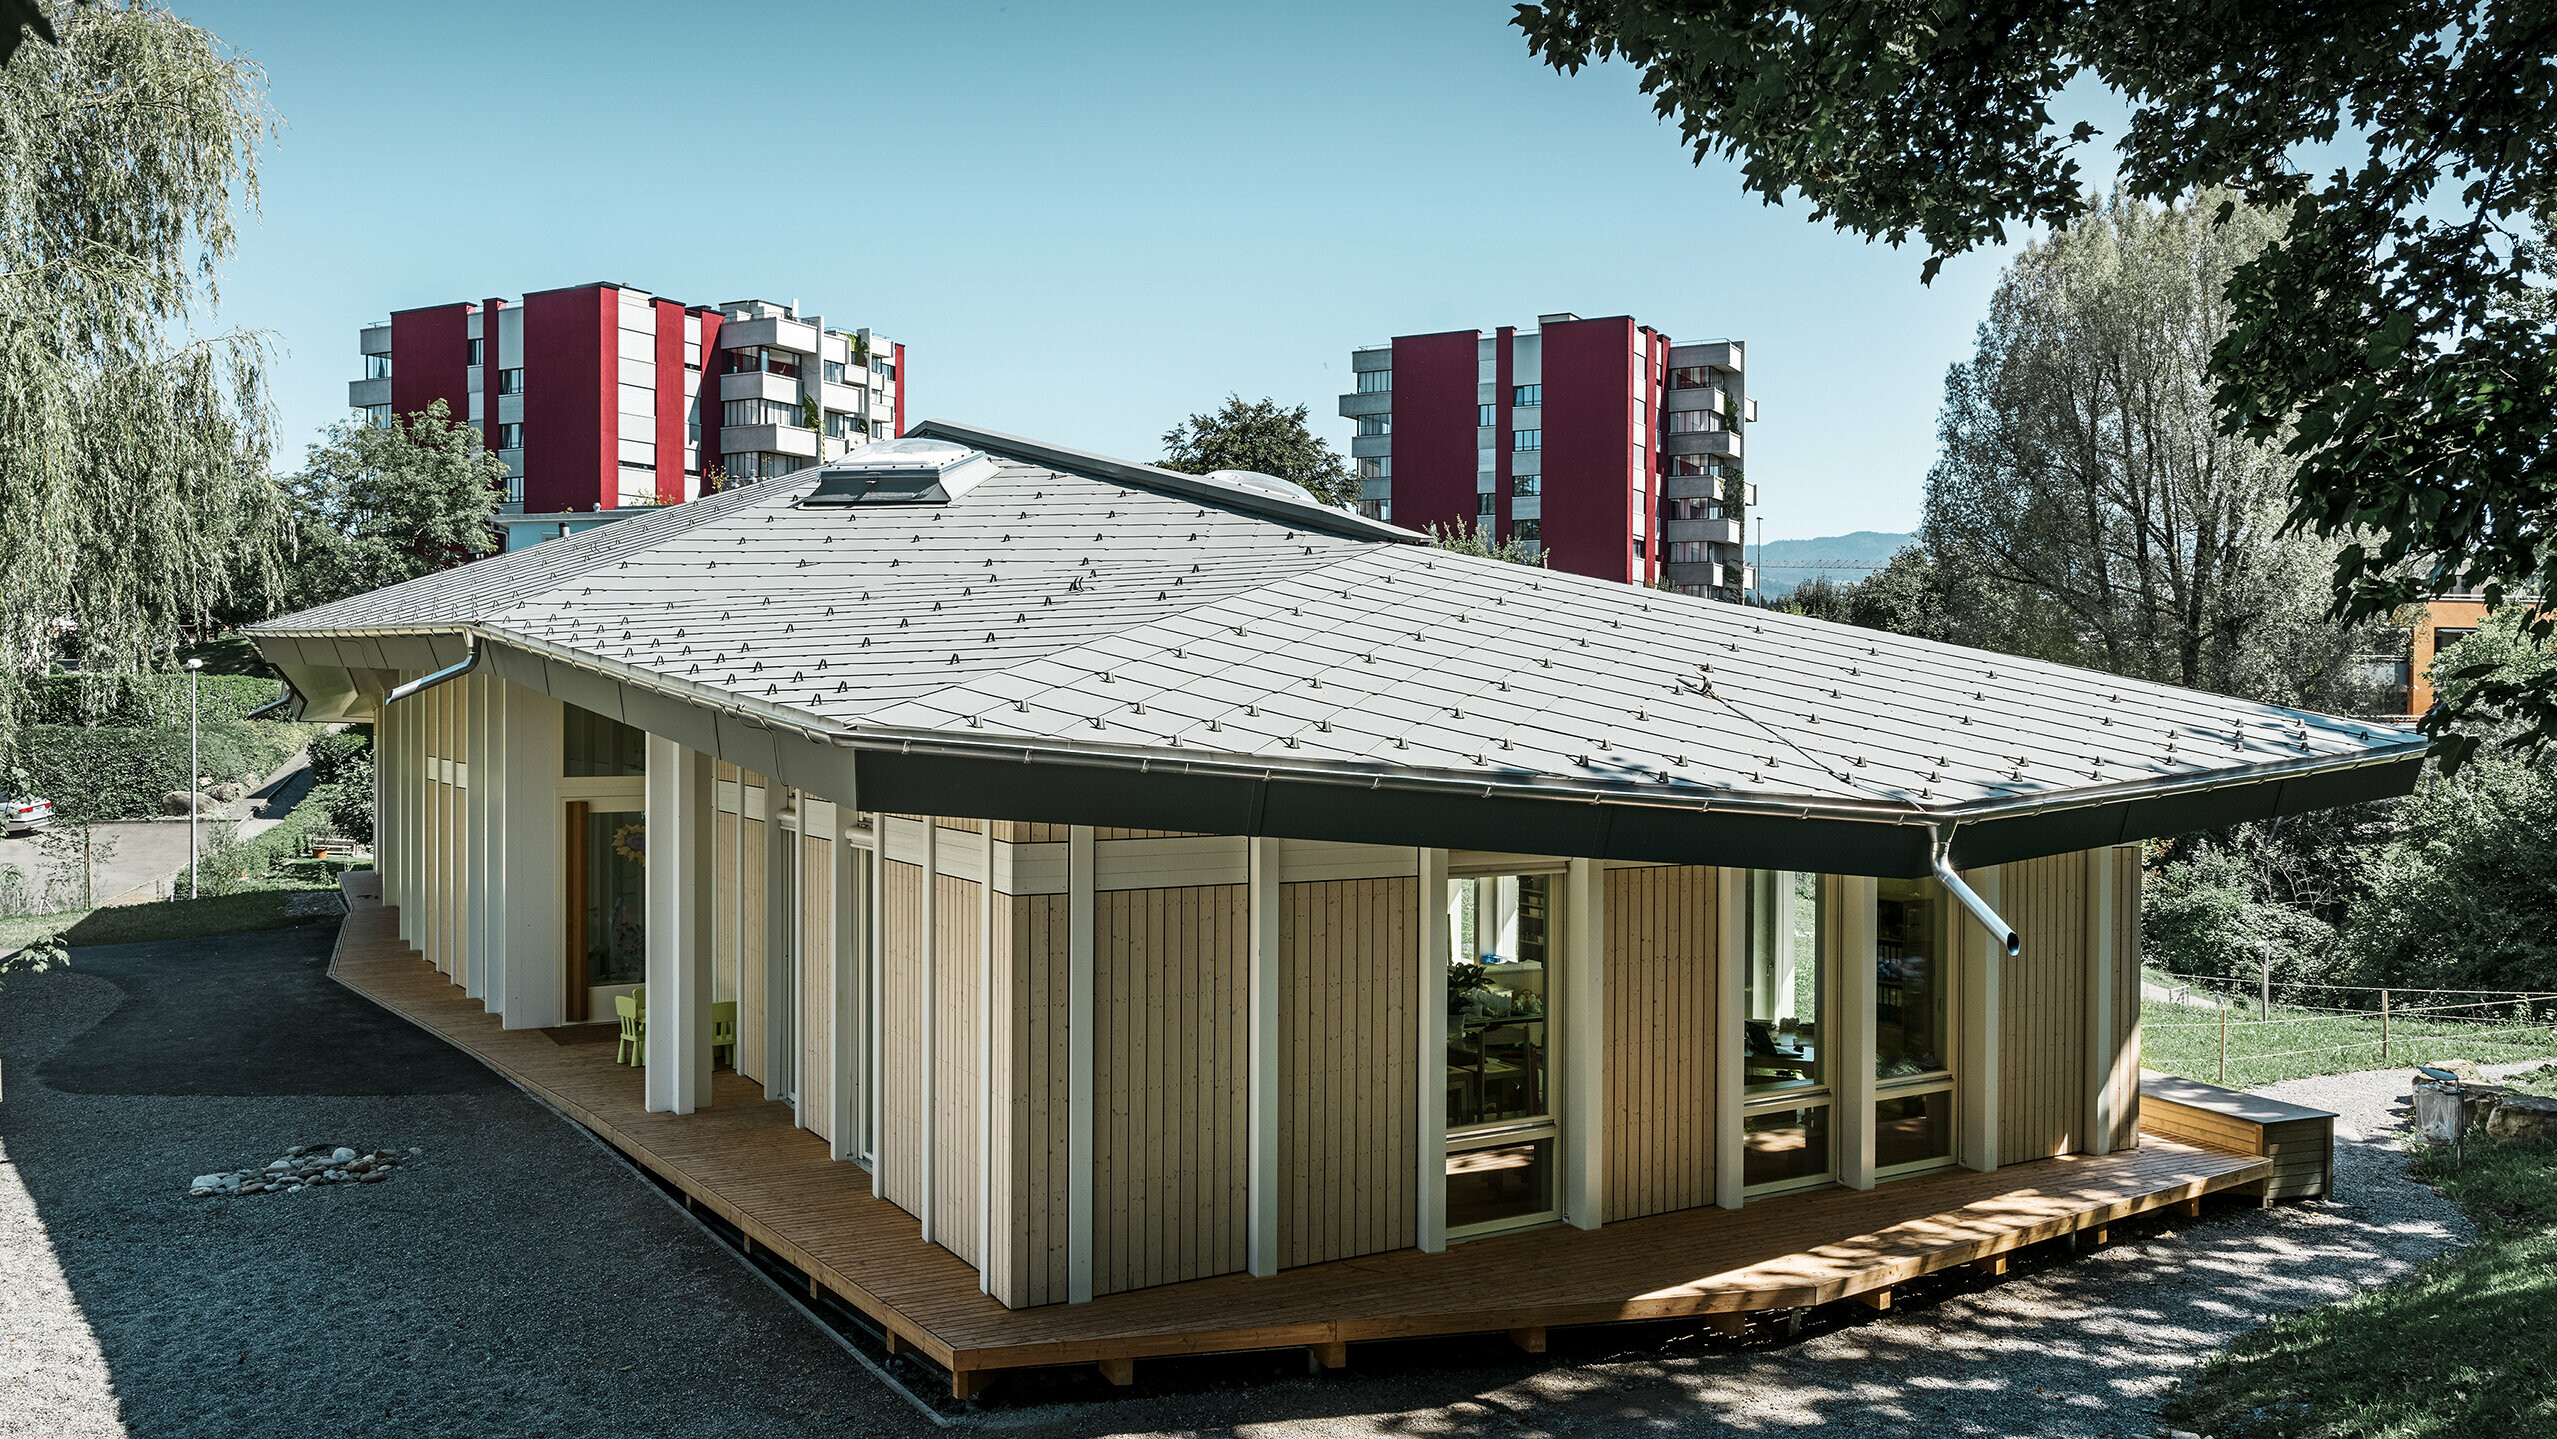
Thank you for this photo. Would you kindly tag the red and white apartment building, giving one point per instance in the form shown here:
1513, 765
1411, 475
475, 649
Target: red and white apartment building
1603, 443
595, 395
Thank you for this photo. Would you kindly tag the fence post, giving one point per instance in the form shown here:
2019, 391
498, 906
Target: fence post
2223, 1041
2383, 1026
88, 867
2268, 986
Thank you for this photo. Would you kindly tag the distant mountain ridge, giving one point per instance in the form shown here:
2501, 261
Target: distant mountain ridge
1784, 564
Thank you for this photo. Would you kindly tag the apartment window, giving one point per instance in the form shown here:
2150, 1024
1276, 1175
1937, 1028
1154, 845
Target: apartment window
1688, 465
1640, 549
692, 354
1372, 381
843, 426
1376, 509
747, 359
884, 367
1527, 484
1525, 530
1691, 510
377, 367
511, 382
834, 372
1486, 416
514, 489
474, 353
760, 412
692, 432
1527, 440
1376, 424
1690, 377
1526, 395
1690, 552
1690, 422
1376, 467
378, 416
510, 436
1483, 504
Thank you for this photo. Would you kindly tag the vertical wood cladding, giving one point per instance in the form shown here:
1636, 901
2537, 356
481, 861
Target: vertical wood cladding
2125, 860
816, 983
1348, 1138
1169, 1077
1028, 1262
2042, 1024
955, 1017
1661, 931
901, 1038
751, 961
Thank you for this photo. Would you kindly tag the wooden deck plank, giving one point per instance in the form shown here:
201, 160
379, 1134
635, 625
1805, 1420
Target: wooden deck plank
744, 1160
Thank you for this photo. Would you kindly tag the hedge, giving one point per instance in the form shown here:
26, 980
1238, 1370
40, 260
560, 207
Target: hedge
144, 701
111, 772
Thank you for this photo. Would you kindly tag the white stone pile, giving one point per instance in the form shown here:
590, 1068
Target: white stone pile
304, 1166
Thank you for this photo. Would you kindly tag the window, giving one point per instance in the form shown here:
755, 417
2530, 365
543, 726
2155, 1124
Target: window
834, 372
1691, 510
1690, 552
595, 747
1483, 504
377, 367
843, 426
1527, 440
1500, 1114
1526, 484
1526, 530
1786, 1052
1486, 416
514, 489
1376, 467
510, 436
1690, 465
1640, 548
511, 382
1689, 422
1911, 998
760, 412
1376, 509
474, 352
1526, 395
747, 359
692, 354
692, 432
1372, 381
1376, 424
378, 416
1690, 377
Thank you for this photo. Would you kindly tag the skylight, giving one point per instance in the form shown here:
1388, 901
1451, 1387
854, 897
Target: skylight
901, 472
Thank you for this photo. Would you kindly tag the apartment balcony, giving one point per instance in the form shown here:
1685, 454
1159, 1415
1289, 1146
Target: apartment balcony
759, 385
1368, 447
1702, 442
1692, 487
1711, 575
774, 331
1718, 531
374, 339
1701, 397
1720, 354
1374, 402
360, 393
772, 439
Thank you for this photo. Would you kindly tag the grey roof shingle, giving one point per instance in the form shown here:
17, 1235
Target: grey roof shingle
1088, 606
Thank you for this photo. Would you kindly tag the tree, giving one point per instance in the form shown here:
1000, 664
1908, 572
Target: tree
1477, 540
1260, 435
134, 493
1909, 595
2394, 340
2101, 514
375, 505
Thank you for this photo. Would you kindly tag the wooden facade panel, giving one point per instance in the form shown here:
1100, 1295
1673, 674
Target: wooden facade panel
899, 1149
1349, 974
2042, 1024
1169, 1080
1027, 1264
816, 983
1661, 930
955, 1018
2126, 994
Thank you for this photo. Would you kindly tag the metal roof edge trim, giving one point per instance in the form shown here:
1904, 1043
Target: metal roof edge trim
1155, 477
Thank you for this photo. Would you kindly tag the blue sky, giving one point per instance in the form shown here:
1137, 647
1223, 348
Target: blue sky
1085, 221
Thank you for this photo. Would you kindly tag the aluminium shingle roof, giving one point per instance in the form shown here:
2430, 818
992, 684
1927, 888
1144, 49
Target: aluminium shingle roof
1078, 604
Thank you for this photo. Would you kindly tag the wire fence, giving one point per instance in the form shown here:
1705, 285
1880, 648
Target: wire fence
2387, 1025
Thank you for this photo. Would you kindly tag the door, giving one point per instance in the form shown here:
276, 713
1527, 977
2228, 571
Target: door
1500, 1122
607, 905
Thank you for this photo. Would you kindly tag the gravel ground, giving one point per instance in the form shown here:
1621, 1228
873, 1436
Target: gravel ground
522, 1280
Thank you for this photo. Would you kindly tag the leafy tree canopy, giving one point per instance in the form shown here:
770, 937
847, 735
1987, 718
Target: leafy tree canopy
1261, 435
2394, 340
375, 505
1476, 539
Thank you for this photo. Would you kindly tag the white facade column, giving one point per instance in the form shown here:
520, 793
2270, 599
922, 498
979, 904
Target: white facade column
531, 978
679, 935
927, 1026
483, 791
848, 1027
386, 790
986, 1097
1430, 1094
1581, 1073
1082, 913
781, 961
873, 1022
1851, 927
1261, 1101
1975, 1077
1733, 890
2102, 1110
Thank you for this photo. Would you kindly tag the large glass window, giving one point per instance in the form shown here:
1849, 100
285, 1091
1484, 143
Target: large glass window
594, 747
1526, 395
1912, 996
1501, 1135
1787, 1051
1376, 424
1784, 1145
1372, 381
377, 367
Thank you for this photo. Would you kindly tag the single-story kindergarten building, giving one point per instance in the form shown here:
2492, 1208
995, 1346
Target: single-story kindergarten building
1154, 913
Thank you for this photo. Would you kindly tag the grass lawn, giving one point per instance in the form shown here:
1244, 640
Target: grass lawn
2465, 1346
167, 919
228, 654
2180, 1040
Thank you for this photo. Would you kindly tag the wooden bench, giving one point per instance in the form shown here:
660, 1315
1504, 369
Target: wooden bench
2300, 1141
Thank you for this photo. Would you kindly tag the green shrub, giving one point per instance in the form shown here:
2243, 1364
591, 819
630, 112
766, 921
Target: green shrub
2202, 914
111, 772
334, 756
144, 701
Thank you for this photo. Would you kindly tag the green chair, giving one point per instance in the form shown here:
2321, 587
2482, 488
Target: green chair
723, 1031
634, 1030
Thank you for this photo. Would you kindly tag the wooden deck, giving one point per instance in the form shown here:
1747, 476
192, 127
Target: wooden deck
744, 1160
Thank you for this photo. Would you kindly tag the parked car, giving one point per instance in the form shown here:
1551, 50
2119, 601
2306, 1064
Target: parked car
25, 816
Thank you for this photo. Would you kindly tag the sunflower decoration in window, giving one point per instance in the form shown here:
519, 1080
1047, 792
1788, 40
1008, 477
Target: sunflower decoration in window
630, 841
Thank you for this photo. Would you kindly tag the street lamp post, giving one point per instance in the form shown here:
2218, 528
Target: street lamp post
193, 765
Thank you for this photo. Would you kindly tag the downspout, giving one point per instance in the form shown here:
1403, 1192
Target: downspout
1989, 918
468, 663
